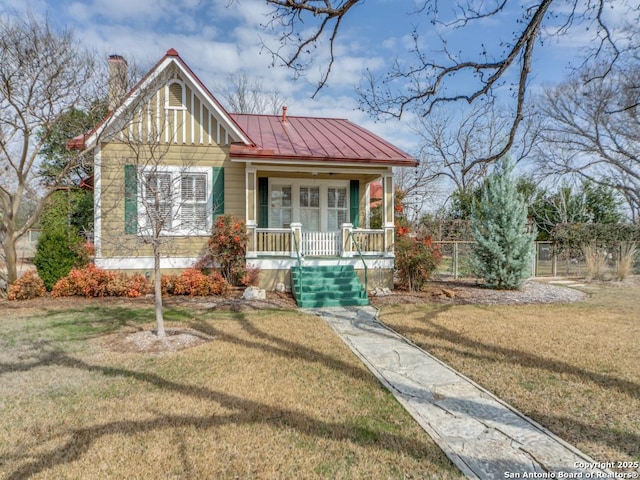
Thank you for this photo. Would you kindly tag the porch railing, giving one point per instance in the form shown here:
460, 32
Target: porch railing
278, 242
320, 244
273, 241
368, 242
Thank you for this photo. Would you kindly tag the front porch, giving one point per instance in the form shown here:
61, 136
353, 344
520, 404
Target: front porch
276, 252
316, 215
296, 243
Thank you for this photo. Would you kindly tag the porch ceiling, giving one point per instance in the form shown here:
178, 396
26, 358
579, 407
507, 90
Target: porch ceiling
367, 177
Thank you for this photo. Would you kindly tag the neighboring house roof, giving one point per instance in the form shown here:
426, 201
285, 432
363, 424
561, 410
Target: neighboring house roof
375, 191
268, 137
314, 139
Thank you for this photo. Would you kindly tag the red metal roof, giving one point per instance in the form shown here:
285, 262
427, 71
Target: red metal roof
314, 139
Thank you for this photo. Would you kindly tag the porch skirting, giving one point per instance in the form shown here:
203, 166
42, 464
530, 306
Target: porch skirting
272, 270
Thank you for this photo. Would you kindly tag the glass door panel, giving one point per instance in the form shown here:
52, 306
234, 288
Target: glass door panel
310, 208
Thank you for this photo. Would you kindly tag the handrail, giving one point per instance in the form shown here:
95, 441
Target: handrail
366, 270
295, 291
295, 244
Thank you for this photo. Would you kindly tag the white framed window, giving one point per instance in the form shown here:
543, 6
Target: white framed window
175, 201
193, 205
319, 205
337, 202
310, 208
280, 206
157, 200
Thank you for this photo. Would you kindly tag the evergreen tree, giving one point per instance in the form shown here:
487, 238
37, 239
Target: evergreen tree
54, 257
66, 215
502, 254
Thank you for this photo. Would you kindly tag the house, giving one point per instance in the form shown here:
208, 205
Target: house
300, 183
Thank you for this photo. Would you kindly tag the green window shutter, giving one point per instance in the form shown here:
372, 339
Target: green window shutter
354, 202
217, 192
130, 200
263, 202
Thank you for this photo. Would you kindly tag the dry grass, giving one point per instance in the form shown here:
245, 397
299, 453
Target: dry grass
624, 266
574, 367
274, 395
596, 262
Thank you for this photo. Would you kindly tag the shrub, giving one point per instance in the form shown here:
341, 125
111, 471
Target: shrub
191, 282
28, 286
574, 236
92, 281
123, 285
251, 277
218, 285
416, 256
227, 248
55, 256
168, 283
416, 260
194, 282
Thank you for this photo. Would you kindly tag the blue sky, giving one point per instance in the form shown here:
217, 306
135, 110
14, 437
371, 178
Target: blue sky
218, 37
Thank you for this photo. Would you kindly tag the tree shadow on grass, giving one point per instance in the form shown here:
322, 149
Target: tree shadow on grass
244, 412
261, 340
496, 353
88, 322
466, 347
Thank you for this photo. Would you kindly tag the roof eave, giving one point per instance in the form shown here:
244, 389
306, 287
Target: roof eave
252, 156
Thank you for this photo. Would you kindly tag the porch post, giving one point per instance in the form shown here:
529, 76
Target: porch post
388, 201
296, 240
250, 215
347, 244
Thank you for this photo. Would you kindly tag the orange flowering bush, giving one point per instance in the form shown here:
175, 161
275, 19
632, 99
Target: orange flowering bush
416, 260
250, 277
416, 257
227, 248
92, 281
28, 286
193, 282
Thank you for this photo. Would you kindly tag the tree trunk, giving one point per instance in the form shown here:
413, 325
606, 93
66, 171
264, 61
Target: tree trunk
157, 290
11, 257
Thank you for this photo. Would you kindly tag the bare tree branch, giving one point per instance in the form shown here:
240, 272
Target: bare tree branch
592, 130
243, 94
42, 75
440, 77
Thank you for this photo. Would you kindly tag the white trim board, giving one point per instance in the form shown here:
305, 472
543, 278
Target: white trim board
146, 263
287, 263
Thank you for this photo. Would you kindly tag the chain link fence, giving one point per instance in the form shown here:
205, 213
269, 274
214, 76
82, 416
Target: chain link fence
547, 261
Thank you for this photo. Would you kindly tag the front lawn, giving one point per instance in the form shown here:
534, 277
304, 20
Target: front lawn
574, 368
275, 394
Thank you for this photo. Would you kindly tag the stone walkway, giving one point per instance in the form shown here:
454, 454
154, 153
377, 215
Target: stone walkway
482, 435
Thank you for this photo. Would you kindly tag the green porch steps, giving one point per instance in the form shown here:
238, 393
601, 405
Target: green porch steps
327, 286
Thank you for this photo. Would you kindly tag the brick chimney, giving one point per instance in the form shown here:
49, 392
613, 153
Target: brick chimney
117, 80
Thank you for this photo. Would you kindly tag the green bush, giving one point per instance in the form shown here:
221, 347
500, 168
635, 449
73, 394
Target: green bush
55, 256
